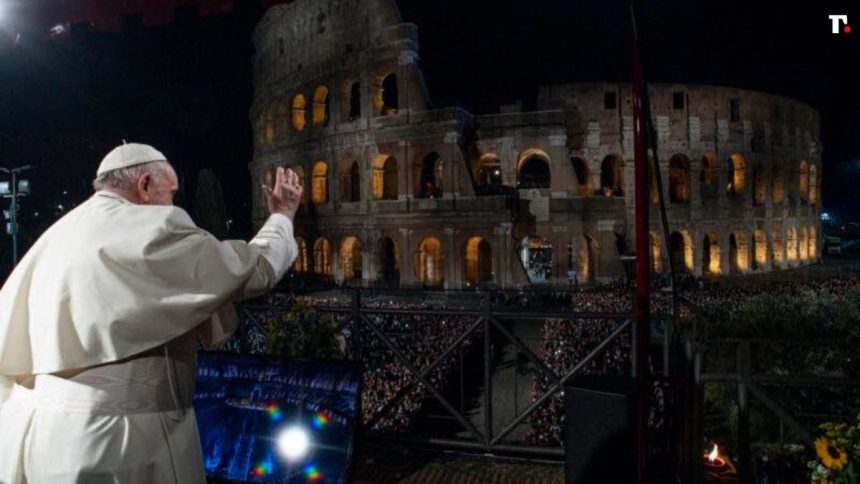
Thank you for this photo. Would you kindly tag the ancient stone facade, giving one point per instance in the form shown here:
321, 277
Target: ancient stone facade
403, 194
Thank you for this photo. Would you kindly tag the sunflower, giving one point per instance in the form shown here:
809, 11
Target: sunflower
832, 457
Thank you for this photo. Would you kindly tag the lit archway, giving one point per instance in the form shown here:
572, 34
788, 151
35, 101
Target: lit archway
738, 252
813, 244
711, 254
350, 259
536, 256
612, 176
791, 244
681, 251
533, 169
301, 263
319, 183
299, 108
350, 180
489, 170
322, 256
430, 262
321, 109
759, 249
479, 261
679, 179
736, 174
428, 176
777, 183
803, 244
777, 248
656, 244
587, 255
813, 184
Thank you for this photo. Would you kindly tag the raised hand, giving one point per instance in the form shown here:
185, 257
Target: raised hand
286, 193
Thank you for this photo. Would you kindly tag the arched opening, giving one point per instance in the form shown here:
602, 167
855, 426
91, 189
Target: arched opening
299, 107
759, 187
681, 251
711, 254
679, 179
321, 109
813, 184
656, 244
587, 255
479, 261
389, 260
319, 183
709, 177
583, 178
777, 183
791, 245
536, 256
430, 175
737, 252
612, 176
389, 95
301, 263
489, 170
350, 259
736, 174
533, 173
777, 248
430, 262
803, 181
385, 178
354, 101
322, 257
350, 181
813, 244
760, 250
803, 244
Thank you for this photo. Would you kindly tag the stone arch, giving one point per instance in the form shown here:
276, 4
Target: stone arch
350, 180
813, 184
759, 186
388, 95
803, 180
388, 256
533, 169
582, 174
321, 106
711, 254
430, 262
681, 251
738, 262
478, 267
759, 250
777, 248
612, 176
777, 183
791, 244
736, 170
679, 179
428, 176
319, 183
536, 257
813, 244
709, 177
322, 256
301, 263
803, 244
489, 170
299, 109
656, 246
385, 178
350, 259
588, 253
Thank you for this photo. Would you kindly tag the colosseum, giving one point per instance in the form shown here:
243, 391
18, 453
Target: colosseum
402, 193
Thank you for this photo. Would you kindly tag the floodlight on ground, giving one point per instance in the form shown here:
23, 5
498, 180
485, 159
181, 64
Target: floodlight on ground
293, 443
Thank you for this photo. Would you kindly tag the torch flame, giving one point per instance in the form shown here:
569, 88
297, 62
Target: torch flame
713, 455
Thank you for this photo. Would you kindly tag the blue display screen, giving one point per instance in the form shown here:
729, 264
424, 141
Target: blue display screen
265, 419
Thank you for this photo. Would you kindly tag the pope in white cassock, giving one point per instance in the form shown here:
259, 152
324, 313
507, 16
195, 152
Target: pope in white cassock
99, 325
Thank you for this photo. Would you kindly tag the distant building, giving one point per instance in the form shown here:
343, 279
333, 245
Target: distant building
404, 194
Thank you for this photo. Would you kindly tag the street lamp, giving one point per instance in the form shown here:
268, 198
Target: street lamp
17, 188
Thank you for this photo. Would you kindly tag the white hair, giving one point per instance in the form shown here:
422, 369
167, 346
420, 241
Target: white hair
124, 179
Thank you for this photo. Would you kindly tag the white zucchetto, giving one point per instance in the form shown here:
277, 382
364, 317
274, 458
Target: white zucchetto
126, 155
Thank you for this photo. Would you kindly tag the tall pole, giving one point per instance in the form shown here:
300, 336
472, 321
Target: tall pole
642, 306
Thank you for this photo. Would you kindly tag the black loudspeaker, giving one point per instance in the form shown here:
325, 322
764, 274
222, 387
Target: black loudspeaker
599, 430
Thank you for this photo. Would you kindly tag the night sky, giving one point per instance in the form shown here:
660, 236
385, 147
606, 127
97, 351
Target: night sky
186, 87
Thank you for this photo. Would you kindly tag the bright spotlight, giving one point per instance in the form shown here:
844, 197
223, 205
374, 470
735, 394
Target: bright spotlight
293, 443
